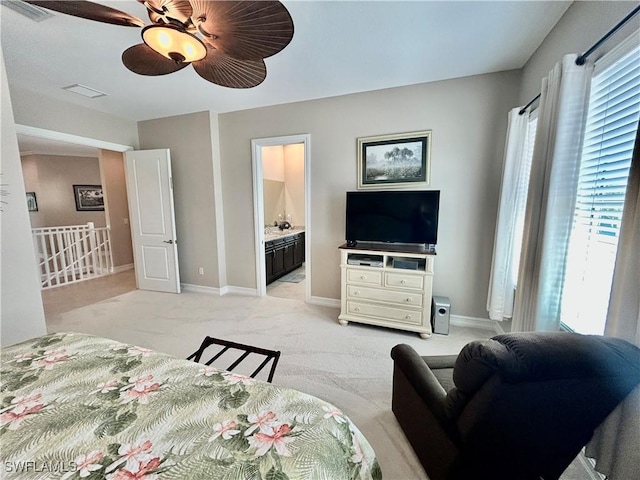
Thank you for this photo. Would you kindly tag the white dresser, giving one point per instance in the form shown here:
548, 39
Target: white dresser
391, 288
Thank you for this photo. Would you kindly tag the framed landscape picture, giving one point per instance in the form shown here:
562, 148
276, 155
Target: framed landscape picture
401, 160
88, 197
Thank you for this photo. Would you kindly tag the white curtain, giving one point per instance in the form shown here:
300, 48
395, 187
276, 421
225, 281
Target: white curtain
616, 443
501, 283
551, 201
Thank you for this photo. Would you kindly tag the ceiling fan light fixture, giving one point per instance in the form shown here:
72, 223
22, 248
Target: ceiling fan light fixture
174, 42
234, 36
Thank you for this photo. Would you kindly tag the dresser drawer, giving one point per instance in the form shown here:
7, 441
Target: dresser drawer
403, 280
400, 315
355, 292
368, 277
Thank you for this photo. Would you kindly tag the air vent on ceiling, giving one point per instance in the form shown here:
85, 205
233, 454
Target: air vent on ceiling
84, 91
32, 12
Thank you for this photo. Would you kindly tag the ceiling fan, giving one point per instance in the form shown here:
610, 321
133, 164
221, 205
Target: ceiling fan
225, 41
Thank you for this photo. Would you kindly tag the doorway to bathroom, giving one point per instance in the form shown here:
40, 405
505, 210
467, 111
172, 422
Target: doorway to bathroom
281, 216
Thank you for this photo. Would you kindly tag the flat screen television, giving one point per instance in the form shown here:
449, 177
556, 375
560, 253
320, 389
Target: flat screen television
402, 216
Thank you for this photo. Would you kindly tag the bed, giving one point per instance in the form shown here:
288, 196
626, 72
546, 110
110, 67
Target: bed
80, 406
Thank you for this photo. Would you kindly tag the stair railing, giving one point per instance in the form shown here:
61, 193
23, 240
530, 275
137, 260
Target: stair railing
70, 254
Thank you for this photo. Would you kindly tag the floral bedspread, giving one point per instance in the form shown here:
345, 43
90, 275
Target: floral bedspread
77, 406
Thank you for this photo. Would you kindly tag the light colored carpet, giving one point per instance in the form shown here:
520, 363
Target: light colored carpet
291, 291
69, 297
347, 366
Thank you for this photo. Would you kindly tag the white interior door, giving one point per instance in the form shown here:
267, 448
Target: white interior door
153, 230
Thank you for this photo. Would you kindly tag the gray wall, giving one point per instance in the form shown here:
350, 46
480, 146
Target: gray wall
583, 24
35, 110
52, 178
114, 185
468, 120
189, 139
21, 313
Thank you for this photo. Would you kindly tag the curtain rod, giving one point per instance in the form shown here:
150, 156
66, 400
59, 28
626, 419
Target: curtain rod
524, 109
582, 58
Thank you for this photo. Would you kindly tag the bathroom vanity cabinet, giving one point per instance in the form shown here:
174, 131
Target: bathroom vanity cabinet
283, 254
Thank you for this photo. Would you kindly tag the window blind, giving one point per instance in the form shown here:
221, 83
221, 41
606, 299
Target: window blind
612, 122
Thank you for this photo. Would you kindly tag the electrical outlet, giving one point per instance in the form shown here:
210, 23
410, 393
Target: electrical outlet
200, 270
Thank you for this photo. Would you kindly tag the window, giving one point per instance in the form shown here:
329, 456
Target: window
612, 122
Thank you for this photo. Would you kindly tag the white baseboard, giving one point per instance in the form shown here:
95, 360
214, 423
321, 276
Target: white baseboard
325, 302
187, 287
123, 268
247, 292
474, 322
250, 292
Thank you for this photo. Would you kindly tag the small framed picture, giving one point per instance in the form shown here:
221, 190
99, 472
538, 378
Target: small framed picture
395, 161
32, 203
88, 197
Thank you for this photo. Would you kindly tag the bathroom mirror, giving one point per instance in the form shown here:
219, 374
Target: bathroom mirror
274, 201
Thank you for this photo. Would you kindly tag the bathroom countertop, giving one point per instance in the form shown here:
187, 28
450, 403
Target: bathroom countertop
283, 233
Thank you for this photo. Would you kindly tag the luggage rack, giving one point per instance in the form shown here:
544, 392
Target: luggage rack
270, 355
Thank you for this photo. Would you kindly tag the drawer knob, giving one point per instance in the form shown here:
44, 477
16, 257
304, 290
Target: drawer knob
409, 300
363, 277
408, 317
403, 282
357, 309
357, 292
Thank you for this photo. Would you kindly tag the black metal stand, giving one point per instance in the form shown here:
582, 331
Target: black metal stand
271, 355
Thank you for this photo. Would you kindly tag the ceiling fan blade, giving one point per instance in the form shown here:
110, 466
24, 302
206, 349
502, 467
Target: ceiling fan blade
90, 11
226, 71
159, 10
143, 60
245, 30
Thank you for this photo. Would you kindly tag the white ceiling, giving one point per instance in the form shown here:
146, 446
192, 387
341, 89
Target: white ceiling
30, 145
338, 48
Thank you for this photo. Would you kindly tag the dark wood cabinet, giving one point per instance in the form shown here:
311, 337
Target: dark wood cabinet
278, 261
283, 255
268, 261
288, 257
298, 251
